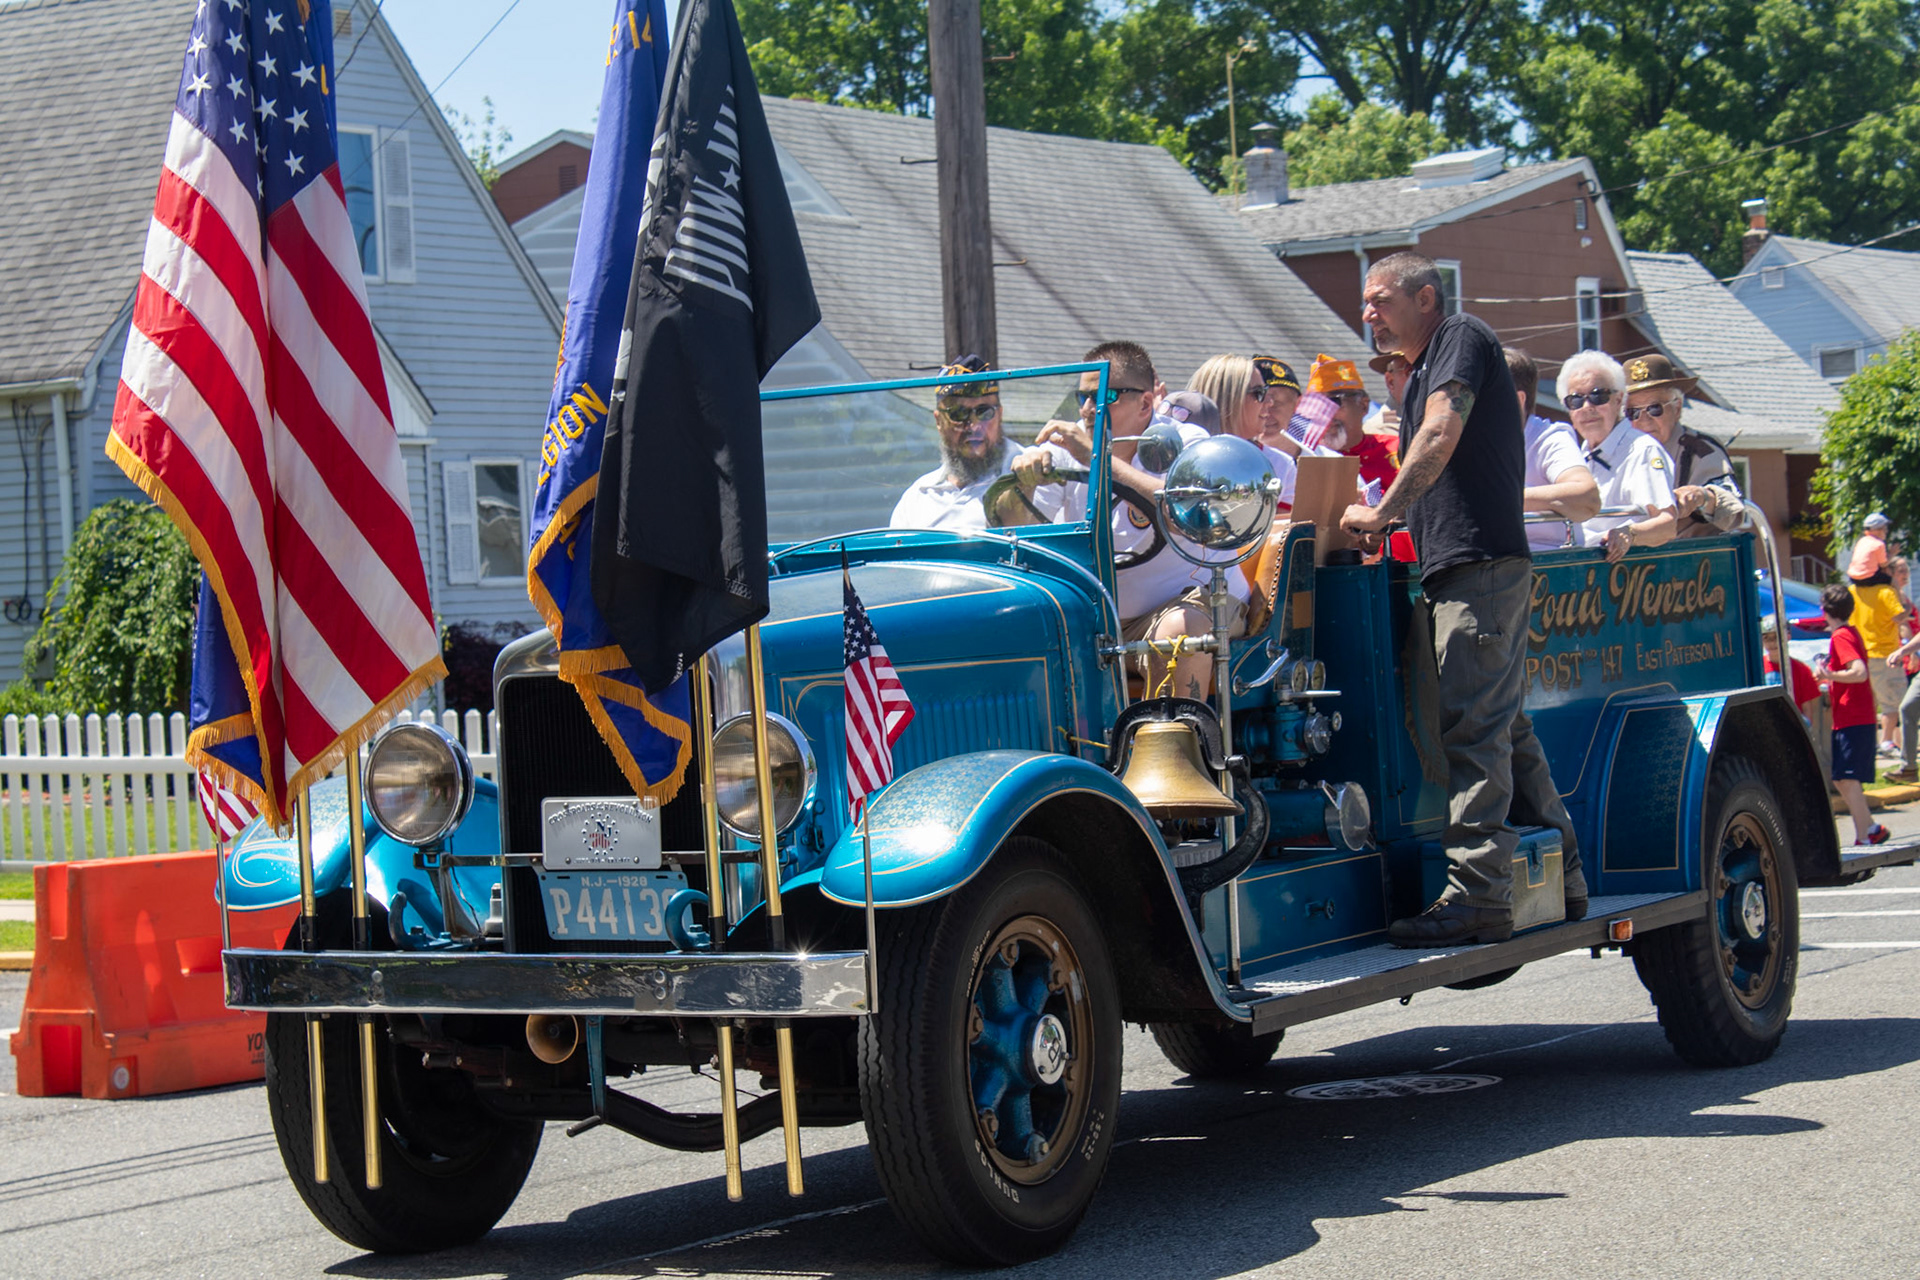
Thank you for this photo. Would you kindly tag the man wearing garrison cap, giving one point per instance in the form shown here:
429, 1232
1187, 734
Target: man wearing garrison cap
1705, 493
973, 453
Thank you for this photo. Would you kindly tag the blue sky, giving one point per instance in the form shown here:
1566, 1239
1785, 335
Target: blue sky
542, 68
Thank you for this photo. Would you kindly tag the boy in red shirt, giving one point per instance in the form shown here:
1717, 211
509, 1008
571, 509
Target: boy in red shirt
1853, 714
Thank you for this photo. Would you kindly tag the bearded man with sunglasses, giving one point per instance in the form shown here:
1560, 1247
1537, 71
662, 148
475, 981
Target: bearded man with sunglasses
1706, 496
973, 451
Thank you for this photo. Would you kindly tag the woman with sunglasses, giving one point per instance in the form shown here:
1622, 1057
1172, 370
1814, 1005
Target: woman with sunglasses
1630, 466
1248, 410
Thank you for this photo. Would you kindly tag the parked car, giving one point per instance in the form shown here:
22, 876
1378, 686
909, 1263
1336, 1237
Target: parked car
1805, 619
1038, 876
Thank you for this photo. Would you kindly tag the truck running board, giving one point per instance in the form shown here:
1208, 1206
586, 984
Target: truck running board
1856, 858
1281, 998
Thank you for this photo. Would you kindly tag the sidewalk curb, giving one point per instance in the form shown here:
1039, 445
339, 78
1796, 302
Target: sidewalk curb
16, 961
1895, 793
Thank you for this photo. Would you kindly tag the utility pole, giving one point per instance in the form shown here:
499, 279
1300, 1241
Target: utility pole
960, 137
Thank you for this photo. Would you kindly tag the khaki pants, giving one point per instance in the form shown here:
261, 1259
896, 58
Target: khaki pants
1496, 771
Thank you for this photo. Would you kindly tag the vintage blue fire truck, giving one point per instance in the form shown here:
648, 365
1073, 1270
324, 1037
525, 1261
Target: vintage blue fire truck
1057, 855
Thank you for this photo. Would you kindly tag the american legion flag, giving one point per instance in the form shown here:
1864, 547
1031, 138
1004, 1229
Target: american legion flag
252, 407
878, 709
650, 734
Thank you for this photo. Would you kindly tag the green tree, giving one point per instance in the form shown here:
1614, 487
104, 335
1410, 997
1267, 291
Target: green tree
1691, 98
1870, 455
485, 142
1337, 144
121, 635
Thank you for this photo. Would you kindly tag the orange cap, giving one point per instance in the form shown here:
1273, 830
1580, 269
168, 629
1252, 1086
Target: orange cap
1329, 375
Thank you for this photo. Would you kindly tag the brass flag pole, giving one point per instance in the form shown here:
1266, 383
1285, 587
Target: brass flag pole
717, 918
310, 941
776, 922
369, 1063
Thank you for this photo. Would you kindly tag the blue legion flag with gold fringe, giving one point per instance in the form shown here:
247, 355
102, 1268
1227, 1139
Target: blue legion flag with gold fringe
219, 716
650, 735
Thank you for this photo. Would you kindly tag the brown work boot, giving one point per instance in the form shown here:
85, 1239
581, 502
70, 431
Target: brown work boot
1452, 924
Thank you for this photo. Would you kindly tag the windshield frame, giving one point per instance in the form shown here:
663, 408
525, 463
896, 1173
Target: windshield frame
1099, 466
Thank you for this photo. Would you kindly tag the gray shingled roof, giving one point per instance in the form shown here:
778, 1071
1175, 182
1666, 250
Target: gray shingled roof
86, 93
1882, 286
1111, 240
1384, 206
1740, 362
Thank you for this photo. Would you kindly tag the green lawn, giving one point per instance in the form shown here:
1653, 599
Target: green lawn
16, 884
16, 935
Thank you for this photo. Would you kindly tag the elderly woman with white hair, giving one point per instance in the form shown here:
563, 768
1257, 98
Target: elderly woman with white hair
1593, 387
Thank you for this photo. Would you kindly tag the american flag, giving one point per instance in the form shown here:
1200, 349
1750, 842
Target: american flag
1311, 418
228, 812
252, 404
878, 709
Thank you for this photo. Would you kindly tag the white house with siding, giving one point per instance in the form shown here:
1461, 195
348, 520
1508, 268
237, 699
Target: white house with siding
467, 329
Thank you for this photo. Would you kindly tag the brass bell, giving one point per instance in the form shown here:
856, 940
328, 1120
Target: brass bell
1165, 771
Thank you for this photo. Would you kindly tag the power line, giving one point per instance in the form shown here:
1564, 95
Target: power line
342, 68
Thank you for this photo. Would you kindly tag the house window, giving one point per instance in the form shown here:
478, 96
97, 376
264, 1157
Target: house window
1740, 473
1580, 213
1449, 286
1773, 277
569, 177
363, 195
499, 507
1587, 312
1838, 363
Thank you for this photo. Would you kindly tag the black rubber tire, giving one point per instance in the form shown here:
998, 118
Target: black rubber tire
915, 1073
451, 1167
1685, 966
1208, 1051
1485, 980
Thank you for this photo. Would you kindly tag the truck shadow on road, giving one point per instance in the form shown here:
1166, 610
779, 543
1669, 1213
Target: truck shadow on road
1214, 1179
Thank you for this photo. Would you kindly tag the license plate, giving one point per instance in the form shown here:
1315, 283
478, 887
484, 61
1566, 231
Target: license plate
608, 906
592, 833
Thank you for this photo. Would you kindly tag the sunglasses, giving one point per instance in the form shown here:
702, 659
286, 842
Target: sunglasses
965, 413
1594, 398
1652, 410
1258, 393
1113, 393
1350, 397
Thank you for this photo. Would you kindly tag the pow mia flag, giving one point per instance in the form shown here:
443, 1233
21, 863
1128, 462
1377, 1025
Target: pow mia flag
720, 291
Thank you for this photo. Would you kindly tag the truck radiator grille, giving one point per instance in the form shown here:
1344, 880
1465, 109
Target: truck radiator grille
549, 747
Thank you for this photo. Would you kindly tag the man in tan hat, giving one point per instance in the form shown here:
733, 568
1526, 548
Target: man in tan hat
1704, 490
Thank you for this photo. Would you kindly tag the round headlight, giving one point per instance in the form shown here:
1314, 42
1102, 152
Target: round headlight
737, 793
419, 782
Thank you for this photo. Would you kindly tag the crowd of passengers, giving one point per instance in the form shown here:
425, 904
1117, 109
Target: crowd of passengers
1458, 453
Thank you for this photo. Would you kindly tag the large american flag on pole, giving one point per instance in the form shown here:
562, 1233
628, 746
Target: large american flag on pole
252, 405
878, 708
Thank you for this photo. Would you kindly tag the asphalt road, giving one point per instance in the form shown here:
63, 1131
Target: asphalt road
1594, 1152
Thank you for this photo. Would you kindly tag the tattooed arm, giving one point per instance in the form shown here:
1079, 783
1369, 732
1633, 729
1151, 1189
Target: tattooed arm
1432, 447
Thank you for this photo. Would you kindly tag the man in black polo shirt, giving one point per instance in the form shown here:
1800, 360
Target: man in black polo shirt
1462, 468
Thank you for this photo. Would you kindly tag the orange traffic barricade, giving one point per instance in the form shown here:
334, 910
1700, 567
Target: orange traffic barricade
126, 997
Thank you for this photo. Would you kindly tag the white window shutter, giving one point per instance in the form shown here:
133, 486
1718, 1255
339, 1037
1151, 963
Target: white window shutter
463, 529
396, 213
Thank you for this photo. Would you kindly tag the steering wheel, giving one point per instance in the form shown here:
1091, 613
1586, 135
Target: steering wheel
1006, 490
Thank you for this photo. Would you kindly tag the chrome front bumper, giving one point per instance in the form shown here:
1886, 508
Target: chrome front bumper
829, 984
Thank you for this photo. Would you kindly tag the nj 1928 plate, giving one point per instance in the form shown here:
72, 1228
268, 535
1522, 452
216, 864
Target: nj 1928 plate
608, 906
599, 832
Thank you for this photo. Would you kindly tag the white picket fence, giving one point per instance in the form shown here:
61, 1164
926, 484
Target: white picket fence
102, 787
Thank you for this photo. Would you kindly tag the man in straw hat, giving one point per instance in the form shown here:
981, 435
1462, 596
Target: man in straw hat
1704, 490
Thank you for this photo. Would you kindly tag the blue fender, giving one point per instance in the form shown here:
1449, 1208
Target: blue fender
935, 827
263, 869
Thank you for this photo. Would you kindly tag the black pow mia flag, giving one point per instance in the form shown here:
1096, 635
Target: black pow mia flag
720, 291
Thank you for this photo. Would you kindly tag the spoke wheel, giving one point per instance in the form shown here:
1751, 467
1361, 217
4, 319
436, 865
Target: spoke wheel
990, 1073
1030, 1032
1723, 985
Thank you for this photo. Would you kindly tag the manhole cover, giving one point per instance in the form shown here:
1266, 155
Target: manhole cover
1389, 1087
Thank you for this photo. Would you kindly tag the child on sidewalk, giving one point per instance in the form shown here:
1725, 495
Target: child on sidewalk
1853, 712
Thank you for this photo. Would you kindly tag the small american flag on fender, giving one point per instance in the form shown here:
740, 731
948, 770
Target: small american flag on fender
878, 709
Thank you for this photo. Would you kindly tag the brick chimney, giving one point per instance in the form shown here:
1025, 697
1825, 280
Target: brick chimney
1265, 167
1757, 233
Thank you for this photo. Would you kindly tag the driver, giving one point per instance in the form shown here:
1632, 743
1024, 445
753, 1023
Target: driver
973, 451
1161, 596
